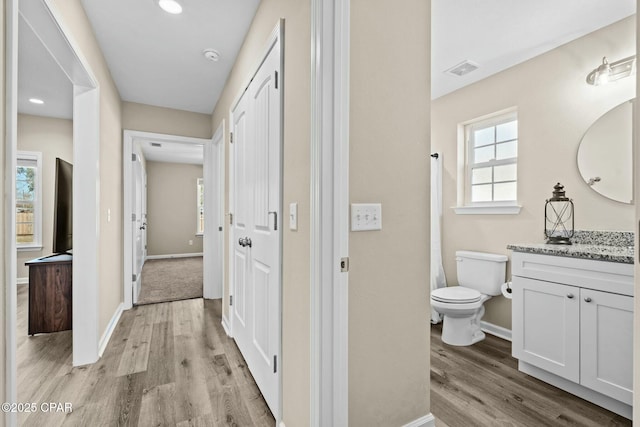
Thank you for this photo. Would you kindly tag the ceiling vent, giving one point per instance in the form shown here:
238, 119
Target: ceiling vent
463, 68
156, 144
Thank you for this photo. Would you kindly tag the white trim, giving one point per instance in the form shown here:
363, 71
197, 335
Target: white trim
488, 210
168, 256
37, 208
9, 245
22, 281
496, 330
30, 248
329, 206
129, 137
426, 421
106, 336
281, 424
226, 327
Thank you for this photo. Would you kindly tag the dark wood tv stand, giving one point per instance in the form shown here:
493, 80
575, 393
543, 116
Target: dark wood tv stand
50, 301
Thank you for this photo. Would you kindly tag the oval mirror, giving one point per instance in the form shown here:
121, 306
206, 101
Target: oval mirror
605, 157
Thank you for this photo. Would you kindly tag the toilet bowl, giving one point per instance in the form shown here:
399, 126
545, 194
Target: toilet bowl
480, 276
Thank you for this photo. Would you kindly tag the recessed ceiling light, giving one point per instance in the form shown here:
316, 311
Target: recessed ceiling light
36, 101
170, 6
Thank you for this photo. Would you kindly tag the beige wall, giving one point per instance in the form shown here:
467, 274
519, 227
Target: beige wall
295, 305
171, 208
110, 251
148, 118
554, 110
53, 138
389, 164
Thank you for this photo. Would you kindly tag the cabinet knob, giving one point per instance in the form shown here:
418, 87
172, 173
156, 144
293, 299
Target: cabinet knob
570, 296
587, 299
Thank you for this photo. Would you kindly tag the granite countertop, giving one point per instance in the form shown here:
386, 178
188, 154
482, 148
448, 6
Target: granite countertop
622, 254
612, 246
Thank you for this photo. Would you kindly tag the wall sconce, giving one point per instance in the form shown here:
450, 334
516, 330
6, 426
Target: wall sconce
609, 72
558, 217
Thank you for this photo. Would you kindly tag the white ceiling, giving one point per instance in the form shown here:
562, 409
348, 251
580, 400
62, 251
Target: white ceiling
39, 76
156, 58
498, 34
172, 151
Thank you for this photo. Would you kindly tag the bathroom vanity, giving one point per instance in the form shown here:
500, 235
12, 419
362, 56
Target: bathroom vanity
572, 319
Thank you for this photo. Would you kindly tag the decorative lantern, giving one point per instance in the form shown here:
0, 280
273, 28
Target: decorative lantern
558, 217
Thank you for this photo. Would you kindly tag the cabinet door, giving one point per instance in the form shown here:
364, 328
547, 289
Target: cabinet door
606, 336
546, 322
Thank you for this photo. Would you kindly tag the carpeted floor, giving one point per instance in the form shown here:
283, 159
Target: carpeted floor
171, 279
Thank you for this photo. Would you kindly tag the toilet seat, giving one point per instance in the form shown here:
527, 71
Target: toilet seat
456, 295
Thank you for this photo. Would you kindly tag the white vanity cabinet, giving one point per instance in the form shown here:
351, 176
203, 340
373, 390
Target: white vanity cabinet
572, 326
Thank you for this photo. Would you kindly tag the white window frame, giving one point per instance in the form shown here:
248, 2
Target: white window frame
465, 164
36, 245
199, 182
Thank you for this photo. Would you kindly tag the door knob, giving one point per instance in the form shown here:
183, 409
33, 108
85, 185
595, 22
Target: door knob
242, 242
247, 241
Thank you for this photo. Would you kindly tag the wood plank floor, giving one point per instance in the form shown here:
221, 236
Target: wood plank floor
166, 364
480, 385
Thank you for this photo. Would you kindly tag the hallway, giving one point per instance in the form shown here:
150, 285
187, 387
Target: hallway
166, 364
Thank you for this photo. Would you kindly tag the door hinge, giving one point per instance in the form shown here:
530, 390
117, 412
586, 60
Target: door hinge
220, 228
133, 157
275, 363
276, 80
231, 137
134, 277
230, 218
133, 217
230, 299
344, 265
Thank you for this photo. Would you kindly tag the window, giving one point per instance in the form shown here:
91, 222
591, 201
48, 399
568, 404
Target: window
491, 170
200, 207
29, 200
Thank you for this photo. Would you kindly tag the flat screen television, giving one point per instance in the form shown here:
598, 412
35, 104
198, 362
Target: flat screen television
63, 208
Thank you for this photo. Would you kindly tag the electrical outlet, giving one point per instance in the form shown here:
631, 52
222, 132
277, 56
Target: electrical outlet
190, 242
366, 216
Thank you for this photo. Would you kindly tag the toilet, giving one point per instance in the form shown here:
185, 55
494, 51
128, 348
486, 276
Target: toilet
480, 276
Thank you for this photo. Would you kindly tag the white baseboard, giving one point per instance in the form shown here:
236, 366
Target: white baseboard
22, 281
167, 256
110, 328
281, 424
496, 330
426, 421
225, 326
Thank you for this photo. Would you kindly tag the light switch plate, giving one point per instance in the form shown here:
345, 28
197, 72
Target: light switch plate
366, 216
293, 216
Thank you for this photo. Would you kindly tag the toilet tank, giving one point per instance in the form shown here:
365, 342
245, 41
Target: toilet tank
481, 271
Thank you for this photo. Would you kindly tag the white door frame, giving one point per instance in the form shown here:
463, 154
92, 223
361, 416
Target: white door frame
127, 170
214, 201
277, 35
55, 36
330, 20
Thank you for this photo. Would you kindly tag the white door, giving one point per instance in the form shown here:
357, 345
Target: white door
257, 255
139, 225
606, 339
546, 326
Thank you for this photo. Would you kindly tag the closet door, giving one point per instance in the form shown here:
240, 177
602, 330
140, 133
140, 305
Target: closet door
241, 215
265, 231
257, 226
